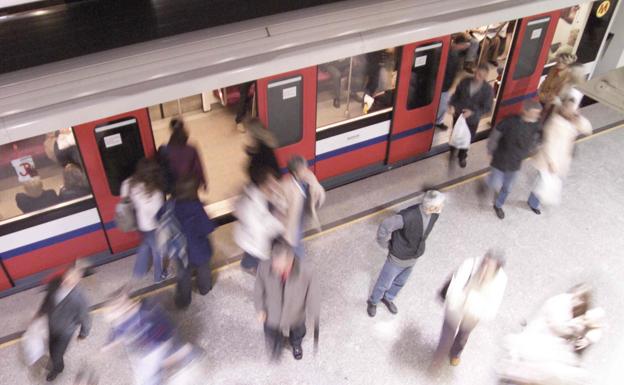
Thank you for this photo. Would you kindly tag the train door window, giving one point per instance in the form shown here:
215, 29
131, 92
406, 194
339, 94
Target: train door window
120, 149
354, 86
39, 173
568, 32
598, 20
285, 110
424, 74
530, 50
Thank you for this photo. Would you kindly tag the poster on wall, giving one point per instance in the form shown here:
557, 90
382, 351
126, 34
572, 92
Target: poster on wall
25, 168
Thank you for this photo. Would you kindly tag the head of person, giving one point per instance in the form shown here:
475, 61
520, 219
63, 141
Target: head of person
73, 177
179, 136
482, 72
296, 165
565, 60
433, 202
461, 42
531, 110
186, 189
282, 257
581, 298
149, 174
33, 187
262, 177
490, 264
260, 133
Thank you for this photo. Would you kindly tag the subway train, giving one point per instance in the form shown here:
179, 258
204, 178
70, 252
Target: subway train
354, 87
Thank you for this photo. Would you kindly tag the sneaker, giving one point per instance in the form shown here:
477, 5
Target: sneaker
297, 352
499, 212
536, 211
390, 305
52, 376
371, 309
462, 163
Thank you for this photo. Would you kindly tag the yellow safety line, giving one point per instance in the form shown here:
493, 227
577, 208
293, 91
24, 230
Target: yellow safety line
327, 231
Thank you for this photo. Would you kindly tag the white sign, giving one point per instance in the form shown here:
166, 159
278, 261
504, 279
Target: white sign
112, 140
289, 92
25, 168
536, 33
420, 61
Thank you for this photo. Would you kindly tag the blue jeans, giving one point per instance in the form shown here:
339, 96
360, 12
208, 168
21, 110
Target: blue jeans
501, 181
534, 201
249, 261
148, 254
444, 99
391, 279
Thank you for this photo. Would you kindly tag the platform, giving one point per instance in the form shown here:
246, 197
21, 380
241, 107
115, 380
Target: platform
577, 241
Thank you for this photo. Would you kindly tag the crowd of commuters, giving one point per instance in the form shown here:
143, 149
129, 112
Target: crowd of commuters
161, 200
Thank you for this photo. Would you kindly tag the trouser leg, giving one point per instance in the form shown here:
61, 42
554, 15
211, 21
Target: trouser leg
273, 338
336, 76
447, 335
157, 259
508, 179
183, 286
443, 106
204, 278
296, 335
386, 277
58, 345
398, 283
243, 101
534, 201
460, 340
143, 258
249, 261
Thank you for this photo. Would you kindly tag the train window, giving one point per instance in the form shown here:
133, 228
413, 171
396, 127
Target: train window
353, 86
595, 29
531, 47
568, 31
40, 172
120, 147
285, 110
424, 74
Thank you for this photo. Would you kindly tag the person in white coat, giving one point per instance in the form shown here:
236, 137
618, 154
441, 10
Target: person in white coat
474, 294
257, 226
145, 190
554, 156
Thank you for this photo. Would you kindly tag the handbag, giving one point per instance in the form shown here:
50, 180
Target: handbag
548, 188
35, 340
460, 137
125, 215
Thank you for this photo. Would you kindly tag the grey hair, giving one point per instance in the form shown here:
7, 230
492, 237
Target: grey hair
531, 104
296, 162
433, 198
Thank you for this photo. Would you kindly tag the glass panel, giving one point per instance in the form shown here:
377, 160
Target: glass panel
595, 30
39, 173
285, 110
120, 148
531, 47
424, 74
567, 33
351, 87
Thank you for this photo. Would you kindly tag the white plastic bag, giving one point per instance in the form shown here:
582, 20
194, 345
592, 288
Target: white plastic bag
35, 340
548, 188
460, 137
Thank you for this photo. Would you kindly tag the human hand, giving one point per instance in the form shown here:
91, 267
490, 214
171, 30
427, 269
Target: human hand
467, 113
262, 316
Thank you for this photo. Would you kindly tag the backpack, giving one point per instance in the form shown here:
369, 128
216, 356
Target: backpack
125, 216
170, 240
162, 157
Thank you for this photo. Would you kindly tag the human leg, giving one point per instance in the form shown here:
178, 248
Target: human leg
183, 290
58, 344
508, 179
442, 107
534, 203
243, 101
249, 262
143, 258
296, 337
157, 261
387, 275
398, 283
459, 342
273, 338
204, 278
447, 335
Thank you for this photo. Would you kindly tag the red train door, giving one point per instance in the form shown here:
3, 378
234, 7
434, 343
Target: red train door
110, 148
287, 107
418, 94
529, 53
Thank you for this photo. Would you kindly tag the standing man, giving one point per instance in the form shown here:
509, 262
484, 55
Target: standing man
458, 50
407, 231
286, 292
510, 142
66, 309
473, 97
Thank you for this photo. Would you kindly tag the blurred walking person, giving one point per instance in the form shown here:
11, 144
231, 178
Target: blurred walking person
473, 98
303, 194
473, 294
404, 235
66, 309
554, 157
286, 295
556, 80
196, 226
145, 190
257, 225
458, 50
261, 152
510, 142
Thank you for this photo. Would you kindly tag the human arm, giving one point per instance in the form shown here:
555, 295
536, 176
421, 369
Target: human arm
198, 170
387, 227
495, 136
259, 295
84, 318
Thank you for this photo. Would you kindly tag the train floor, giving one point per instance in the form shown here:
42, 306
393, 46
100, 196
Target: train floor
580, 240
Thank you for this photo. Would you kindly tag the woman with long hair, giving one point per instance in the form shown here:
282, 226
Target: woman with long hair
182, 160
145, 189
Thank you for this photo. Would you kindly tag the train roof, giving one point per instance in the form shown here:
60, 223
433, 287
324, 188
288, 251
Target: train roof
65, 93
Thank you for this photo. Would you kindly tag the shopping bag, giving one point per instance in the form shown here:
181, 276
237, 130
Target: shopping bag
35, 340
125, 217
460, 137
548, 188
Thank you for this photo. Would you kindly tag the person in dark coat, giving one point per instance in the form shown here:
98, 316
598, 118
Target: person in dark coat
261, 153
179, 158
457, 52
473, 97
35, 197
509, 144
66, 309
406, 232
75, 183
196, 226
244, 102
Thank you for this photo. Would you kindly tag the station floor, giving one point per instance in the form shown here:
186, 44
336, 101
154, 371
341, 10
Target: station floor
580, 240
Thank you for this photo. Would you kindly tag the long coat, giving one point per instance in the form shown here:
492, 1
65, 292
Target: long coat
295, 200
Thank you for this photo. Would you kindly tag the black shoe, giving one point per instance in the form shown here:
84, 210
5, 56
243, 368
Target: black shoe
52, 375
536, 211
462, 163
390, 305
371, 309
499, 212
336, 103
442, 126
297, 352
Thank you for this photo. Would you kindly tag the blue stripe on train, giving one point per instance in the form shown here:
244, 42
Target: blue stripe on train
352, 147
51, 241
518, 99
412, 131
